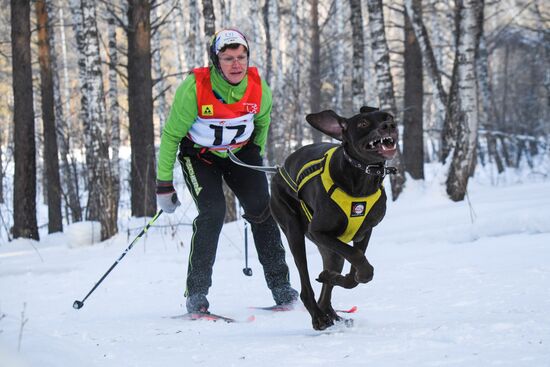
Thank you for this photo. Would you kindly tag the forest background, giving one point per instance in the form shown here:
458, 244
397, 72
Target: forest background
88, 85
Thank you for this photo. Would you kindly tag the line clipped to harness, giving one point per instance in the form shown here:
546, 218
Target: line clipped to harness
266, 169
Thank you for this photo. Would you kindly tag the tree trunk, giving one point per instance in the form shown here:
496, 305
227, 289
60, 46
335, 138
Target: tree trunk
357, 73
384, 82
209, 18
278, 128
338, 60
297, 119
70, 189
24, 179
1, 167
178, 36
464, 152
413, 142
51, 161
100, 187
315, 68
414, 12
225, 11
140, 109
114, 113
160, 85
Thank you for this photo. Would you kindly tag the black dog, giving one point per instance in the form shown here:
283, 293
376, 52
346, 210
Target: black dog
333, 194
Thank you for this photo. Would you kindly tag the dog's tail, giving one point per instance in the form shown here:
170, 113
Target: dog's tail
266, 169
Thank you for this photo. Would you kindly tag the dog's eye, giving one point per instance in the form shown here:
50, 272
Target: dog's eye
363, 123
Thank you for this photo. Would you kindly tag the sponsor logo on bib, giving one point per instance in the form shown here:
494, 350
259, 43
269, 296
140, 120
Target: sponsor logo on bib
207, 110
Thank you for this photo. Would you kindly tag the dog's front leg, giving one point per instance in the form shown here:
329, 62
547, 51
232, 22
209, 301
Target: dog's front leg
319, 319
364, 271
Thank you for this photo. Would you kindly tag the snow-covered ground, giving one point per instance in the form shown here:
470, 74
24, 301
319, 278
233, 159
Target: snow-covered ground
456, 284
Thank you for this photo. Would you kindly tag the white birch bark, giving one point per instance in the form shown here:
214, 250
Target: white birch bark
178, 36
339, 59
381, 57
114, 110
69, 180
384, 81
296, 120
225, 11
358, 68
96, 140
256, 41
465, 149
160, 85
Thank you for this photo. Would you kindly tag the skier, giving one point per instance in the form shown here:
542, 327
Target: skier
224, 106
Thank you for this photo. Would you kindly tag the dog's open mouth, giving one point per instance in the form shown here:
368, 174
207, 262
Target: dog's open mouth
385, 146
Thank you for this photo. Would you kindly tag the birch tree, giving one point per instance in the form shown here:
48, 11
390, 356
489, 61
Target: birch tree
209, 18
315, 67
357, 80
24, 179
339, 60
114, 113
384, 82
413, 145
466, 140
178, 36
100, 186
159, 82
51, 160
486, 107
69, 181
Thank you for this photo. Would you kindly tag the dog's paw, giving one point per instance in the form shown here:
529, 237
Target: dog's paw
364, 275
325, 277
349, 281
322, 322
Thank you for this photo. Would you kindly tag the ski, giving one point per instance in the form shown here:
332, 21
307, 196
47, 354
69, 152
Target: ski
207, 316
274, 308
351, 310
283, 308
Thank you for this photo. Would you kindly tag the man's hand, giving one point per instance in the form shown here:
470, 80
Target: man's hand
167, 198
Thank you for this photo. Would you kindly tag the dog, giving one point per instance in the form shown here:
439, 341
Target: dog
333, 194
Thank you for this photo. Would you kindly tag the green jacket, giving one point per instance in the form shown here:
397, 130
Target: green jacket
184, 111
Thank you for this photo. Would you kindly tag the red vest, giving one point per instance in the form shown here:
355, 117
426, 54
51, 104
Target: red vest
220, 126
249, 103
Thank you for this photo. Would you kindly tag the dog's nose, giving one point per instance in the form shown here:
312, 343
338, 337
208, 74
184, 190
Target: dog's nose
388, 125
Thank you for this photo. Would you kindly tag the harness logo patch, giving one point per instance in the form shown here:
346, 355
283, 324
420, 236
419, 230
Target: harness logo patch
358, 208
207, 110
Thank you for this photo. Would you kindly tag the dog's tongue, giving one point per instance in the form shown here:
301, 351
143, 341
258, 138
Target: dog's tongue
387, 151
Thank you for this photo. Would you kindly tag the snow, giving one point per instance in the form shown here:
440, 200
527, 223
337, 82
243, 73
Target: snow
456, 284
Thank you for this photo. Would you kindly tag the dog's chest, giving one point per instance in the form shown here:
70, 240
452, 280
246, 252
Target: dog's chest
348, 217
327, 206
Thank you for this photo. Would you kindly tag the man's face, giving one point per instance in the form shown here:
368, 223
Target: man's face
233, 63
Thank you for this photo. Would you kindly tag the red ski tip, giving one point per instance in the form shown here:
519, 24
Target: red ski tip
351, 310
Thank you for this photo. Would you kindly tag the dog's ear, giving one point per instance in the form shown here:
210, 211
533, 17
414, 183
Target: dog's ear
328, 122
367, 109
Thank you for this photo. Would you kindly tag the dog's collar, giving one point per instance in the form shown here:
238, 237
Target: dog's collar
370, 169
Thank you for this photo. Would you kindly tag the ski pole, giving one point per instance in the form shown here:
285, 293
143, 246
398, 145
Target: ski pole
247, 271
77, 305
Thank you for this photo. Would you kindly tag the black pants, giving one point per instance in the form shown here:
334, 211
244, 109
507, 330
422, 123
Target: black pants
203, 175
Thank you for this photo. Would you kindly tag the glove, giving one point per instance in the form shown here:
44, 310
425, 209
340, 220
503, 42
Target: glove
167, 198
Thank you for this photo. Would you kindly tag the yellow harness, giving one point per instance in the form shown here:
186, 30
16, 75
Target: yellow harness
356, 209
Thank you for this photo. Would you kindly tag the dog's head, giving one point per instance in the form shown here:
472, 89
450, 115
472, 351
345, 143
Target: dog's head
370, 136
